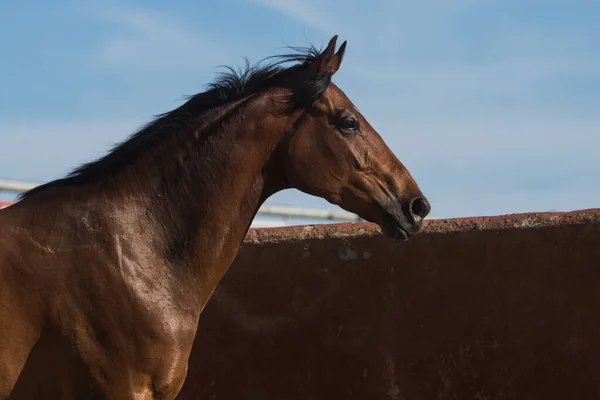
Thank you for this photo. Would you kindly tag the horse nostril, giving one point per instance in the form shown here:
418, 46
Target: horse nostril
419, 208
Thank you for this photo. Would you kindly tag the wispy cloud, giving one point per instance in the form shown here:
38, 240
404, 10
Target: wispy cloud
383, 25
473, 85
302, 10
40, 151
152, 40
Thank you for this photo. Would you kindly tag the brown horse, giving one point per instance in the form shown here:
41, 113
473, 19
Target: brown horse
104, 273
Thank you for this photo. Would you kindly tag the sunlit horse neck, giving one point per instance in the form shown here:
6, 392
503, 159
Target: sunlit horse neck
106, 271
208, 158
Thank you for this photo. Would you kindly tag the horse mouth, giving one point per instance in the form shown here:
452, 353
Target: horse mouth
394, 227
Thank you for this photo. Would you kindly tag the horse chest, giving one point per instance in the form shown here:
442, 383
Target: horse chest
163, 319
162, 349
143, 321
151, 350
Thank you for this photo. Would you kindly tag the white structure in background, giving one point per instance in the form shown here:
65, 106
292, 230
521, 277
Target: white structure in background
257, 223
285, 212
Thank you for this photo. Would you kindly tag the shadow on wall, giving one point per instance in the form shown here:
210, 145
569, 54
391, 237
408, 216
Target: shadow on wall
484, 308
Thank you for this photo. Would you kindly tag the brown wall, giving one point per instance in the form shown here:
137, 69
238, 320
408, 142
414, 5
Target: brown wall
481, 308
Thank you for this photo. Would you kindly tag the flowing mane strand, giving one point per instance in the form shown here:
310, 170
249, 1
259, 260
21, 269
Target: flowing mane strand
229, 86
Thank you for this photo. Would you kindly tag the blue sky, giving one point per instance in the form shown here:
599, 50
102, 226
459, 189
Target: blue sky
493, 105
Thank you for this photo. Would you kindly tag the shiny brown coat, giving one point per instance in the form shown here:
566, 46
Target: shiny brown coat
104, 274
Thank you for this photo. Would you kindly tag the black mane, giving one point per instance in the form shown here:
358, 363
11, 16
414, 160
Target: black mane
229, 86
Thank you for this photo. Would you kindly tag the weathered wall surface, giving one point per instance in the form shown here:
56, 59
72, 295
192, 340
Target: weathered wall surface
483, 308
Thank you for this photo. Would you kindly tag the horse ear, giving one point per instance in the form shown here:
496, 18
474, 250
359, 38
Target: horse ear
328, 61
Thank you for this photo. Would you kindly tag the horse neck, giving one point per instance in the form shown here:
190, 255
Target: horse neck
203, 213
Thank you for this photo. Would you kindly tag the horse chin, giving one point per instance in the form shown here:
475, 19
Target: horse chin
393, 227
390, 225
395, 232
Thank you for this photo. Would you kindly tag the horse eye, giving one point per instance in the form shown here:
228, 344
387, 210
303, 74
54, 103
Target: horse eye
349, 123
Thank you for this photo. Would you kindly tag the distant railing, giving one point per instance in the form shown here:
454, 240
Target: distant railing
10, 185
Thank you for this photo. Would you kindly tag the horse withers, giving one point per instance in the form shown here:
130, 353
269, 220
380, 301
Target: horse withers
104, 273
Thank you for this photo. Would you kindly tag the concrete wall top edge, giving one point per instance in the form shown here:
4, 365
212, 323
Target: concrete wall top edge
533, 220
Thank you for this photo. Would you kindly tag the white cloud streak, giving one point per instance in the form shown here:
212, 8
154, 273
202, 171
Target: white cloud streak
302, 10
153, 41
42, 151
